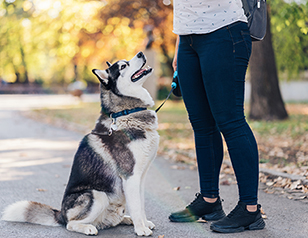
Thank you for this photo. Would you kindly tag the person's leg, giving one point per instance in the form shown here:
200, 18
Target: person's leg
208, 140
224, 62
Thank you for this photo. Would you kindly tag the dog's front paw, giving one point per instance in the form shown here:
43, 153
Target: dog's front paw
143, 231
150, 225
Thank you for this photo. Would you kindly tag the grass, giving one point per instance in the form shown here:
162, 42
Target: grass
295, 126
280, 142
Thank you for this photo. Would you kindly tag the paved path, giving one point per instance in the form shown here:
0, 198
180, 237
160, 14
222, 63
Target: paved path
35, 162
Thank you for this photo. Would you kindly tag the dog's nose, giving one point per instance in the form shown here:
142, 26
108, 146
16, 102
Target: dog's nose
140, 55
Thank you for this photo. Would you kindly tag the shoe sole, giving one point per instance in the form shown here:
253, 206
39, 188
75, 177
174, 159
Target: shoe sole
257, 225
215, 216
187, 219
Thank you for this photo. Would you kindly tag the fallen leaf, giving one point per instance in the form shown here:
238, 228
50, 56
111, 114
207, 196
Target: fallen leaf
177, 167
161, 236
228, 171
200, 220
41, 189
295, 184
270, 183
225, 182
263, 213
269, 192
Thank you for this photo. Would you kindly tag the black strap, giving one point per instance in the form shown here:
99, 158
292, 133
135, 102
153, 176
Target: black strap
105, 133
246, 8
172, 88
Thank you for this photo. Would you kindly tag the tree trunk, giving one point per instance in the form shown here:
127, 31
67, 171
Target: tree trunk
265, 102
23, 61
18, 80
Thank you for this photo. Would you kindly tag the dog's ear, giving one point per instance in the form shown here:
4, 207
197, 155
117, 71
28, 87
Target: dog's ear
108, 63
102, 76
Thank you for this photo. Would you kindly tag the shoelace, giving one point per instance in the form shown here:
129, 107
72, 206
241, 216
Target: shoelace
196, 201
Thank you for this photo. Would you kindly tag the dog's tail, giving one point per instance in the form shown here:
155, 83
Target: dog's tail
33, 212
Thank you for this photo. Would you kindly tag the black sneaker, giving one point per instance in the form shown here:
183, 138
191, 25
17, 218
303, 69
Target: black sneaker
239, 219
199, 208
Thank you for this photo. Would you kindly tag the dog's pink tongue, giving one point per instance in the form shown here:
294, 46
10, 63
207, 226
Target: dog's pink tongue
139, 73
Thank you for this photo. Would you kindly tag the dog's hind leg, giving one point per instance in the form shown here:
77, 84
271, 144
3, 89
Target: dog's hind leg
81, 218
86, 229
127, 220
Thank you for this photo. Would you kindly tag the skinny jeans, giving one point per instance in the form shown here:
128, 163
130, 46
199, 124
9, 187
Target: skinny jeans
211, 69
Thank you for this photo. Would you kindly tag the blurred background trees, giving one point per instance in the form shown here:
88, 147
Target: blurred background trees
59, 41
289, 34
289, 20
265, 99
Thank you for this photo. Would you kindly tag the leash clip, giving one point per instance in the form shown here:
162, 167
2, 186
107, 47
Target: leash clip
113, 126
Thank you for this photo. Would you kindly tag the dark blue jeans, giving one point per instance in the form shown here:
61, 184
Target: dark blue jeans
212, 70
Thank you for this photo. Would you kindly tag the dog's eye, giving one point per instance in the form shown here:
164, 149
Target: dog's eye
123, 66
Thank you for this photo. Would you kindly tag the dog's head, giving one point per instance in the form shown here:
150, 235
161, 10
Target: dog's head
125, 78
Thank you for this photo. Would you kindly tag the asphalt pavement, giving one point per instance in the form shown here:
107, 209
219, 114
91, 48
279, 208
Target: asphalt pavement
35, 161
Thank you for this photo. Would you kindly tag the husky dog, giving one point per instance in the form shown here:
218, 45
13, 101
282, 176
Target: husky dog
111, 162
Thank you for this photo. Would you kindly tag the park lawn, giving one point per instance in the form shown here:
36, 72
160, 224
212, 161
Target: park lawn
281, 143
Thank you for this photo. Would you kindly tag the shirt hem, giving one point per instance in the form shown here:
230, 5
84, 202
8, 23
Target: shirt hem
212, 30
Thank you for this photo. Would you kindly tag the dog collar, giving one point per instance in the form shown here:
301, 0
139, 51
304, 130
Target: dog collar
126, 112
115, 115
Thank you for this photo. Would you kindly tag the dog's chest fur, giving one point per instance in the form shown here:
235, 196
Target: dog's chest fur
135, 135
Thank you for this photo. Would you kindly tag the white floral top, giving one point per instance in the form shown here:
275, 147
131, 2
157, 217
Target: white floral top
204, 16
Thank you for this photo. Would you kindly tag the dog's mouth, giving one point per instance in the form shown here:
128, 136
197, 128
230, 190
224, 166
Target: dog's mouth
141, 73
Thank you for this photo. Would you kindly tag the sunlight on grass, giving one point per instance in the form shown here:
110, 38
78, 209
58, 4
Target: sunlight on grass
84, 114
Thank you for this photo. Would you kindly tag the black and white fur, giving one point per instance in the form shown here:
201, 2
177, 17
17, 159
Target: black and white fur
108, 171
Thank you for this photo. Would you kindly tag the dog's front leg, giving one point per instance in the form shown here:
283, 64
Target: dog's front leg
147, 223
132, 190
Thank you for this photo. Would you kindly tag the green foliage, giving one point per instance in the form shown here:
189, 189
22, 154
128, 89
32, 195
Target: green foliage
290, 35
59, 41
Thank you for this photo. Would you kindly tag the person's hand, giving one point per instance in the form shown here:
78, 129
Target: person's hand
175, 58
174, 62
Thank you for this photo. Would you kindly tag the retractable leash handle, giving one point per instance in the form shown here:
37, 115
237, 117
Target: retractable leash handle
174, 85
177, 90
